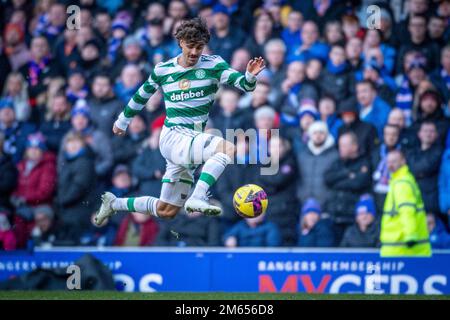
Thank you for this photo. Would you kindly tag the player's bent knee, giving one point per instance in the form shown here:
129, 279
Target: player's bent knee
167, 210
226, 147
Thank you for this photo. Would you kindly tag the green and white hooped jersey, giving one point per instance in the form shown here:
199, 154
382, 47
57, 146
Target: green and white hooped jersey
188, 92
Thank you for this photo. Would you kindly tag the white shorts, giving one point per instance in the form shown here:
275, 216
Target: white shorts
184, 150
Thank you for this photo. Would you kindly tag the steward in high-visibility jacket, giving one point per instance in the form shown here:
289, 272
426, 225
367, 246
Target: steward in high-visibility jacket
404, 229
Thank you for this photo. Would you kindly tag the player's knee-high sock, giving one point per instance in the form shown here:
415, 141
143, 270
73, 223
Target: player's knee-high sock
146, 205
212, 169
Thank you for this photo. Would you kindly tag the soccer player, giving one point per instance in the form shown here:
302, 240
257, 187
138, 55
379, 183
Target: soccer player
189, 83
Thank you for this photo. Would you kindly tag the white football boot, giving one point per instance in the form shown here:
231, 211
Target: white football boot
201, 205
105, 210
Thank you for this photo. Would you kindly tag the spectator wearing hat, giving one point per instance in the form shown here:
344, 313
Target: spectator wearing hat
119, 29
336, 79
149, 166
8, 176
8, 240
15, 48
223, 41
132, 53
37, 173
372, 108
15, 133
44, 233
125, 148
90, 59
365, 132
253, 232
347, 178
16, 90
77, 88
439, 237
56, 122
314, 231
430, 110
424, 161
98, 142
193, 230
440, 77
365, 232
329, 115
75, 192
280, 187
306, 116
313, 161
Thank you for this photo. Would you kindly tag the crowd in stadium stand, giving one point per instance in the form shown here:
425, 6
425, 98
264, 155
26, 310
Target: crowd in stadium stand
341, 94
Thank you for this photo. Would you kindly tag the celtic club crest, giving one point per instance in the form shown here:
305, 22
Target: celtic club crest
200, 74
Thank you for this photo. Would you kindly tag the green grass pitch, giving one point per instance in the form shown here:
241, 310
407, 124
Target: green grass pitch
115, 295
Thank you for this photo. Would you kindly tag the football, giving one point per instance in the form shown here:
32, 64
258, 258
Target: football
250, 201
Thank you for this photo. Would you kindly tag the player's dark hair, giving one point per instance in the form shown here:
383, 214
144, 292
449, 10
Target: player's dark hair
193, 31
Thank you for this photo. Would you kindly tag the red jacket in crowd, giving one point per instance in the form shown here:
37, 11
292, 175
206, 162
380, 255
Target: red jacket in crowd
38, 186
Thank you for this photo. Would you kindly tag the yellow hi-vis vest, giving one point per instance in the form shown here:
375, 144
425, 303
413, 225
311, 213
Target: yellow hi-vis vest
404, 218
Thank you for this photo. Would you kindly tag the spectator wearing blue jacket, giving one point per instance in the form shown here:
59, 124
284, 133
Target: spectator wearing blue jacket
15, 132
315, 231
328, 114
254, 232
291, 34
439, 237
310, 46
372, 108
444, 180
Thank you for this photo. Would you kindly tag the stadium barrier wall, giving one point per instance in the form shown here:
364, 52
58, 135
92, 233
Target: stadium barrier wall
250, 270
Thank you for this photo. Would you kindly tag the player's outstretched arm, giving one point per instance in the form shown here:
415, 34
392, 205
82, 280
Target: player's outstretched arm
135, 105
245, 82
255, 66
